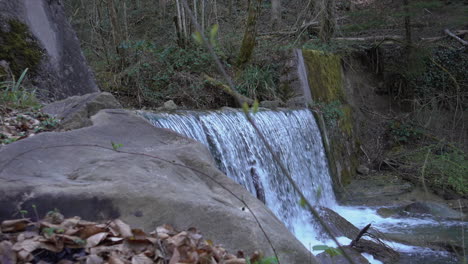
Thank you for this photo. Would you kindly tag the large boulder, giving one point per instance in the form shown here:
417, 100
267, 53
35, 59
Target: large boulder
123, 167
76, 111
35, 34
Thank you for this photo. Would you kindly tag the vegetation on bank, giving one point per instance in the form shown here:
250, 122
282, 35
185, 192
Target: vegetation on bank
20, 115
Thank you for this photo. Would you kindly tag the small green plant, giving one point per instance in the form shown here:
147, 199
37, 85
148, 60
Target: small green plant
258, 82
14, 94
23, 213
329, 250
35, 211
331, 111
116, 146
403, 133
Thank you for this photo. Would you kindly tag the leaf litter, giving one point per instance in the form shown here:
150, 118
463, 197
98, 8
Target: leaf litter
73, 240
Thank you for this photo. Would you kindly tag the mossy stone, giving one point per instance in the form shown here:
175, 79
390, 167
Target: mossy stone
324, 75
18, 48
326, 86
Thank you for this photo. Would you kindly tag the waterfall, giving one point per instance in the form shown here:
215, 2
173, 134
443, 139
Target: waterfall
241, 155
302, 73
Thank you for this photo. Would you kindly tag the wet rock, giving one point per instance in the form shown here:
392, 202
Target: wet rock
376, 190
386, 212
434, 209
363, 170
325, 258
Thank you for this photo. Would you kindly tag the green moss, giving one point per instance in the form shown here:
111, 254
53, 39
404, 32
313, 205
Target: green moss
326, 85
18, 48
346, 121
324, 74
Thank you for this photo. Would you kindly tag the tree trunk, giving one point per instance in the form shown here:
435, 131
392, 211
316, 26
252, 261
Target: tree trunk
248, 42
328, 20
116, 31
275, 14
407, 23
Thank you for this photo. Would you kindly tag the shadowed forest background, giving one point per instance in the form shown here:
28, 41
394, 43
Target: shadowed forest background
145, 53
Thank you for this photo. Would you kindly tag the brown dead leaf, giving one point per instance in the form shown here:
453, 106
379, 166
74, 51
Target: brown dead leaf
17, 225
7, 255
114, 259
94, 259
94, 240
71, 222
178, 240
90, 230
141, 259
175, 257
124, 230
107, 249
28, 245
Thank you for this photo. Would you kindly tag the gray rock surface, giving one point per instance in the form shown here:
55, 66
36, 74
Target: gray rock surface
76, 111
362, 169
62, 71
437, 210
168, 179
169, 105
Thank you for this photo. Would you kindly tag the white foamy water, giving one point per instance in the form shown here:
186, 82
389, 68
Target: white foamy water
295, 137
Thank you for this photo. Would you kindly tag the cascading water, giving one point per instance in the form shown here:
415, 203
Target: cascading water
295, 136
242, 156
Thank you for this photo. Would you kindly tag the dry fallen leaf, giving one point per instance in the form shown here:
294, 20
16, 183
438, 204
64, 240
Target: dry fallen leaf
124, 230
94, 240
7, 255
14, 225
94, 259
141, 259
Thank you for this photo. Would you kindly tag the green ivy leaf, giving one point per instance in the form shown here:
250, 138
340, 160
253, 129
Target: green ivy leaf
320, 247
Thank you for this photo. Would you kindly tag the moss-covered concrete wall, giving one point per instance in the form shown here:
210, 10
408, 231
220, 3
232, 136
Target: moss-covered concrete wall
326, 83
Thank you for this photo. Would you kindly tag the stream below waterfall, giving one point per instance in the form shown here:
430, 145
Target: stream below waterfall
295, 137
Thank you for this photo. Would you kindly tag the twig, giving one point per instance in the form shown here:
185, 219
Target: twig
448, 32
361, 233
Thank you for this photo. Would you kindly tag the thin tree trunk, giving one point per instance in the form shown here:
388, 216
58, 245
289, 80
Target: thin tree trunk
203, 15
248, 42
407, 23
275, 14
328, 20
115, 27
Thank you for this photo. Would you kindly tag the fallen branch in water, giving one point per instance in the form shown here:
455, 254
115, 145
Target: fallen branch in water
361, 233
